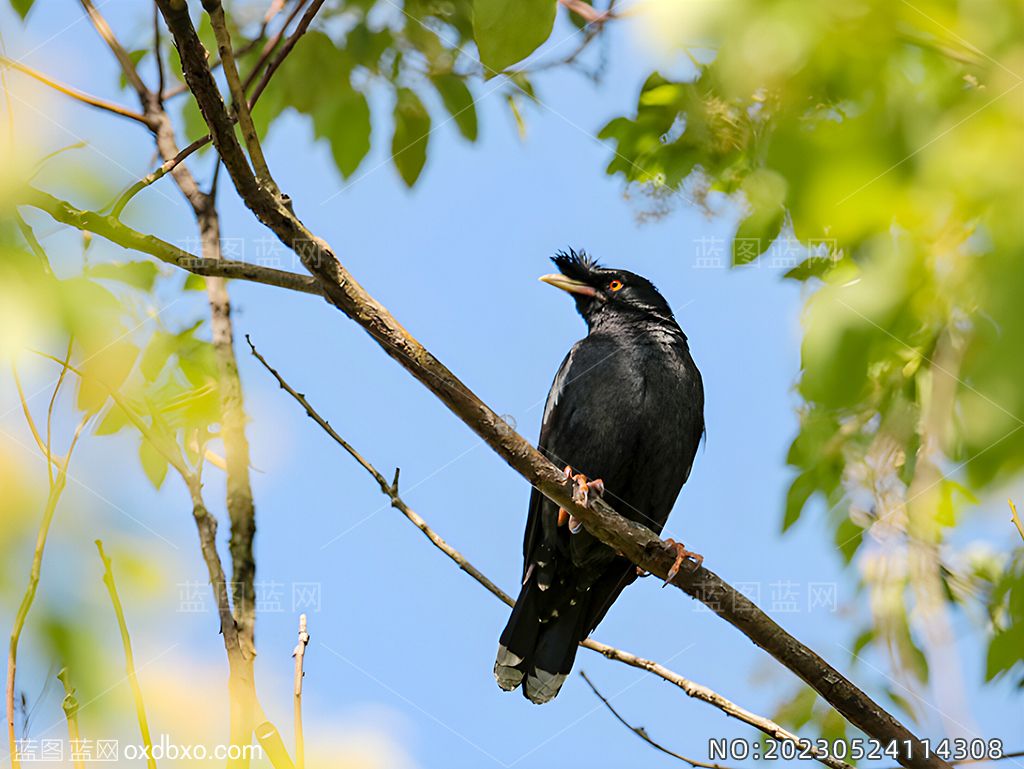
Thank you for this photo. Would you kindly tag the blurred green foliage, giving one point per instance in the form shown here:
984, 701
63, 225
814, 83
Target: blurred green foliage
886, 138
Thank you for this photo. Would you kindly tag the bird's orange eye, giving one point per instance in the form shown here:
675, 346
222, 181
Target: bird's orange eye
615, 285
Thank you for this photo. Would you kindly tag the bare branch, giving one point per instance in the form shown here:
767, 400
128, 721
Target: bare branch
270, 46
690, 688
640, 732
127, 66
74, 93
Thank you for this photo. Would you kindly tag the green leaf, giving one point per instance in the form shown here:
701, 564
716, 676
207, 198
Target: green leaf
153, 463
507, 31
194, 282
796, 498
412, 130
344, 120
22, 7
458, 100
138, 274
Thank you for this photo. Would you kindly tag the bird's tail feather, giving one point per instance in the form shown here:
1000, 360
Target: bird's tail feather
539, 642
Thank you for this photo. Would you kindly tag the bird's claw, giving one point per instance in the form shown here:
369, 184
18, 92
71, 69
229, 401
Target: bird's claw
682, 555
584, 488
581, 496
581, 492
642, 572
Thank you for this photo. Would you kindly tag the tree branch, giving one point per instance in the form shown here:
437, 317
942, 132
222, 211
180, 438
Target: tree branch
239, 103
116, 232
74, 93
390, 490
127, 66
286, 49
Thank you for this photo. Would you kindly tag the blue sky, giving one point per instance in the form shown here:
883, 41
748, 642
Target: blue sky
402, 641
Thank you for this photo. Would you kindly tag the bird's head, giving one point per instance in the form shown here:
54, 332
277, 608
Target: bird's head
604, 293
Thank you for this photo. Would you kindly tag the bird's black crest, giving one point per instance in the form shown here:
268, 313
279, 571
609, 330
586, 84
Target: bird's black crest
575, 264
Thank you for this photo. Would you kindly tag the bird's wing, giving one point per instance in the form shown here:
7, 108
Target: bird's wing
588, 385
538, 543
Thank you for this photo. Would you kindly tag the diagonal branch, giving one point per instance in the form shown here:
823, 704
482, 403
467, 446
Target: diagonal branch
390, 489
116, 232
286, 49
127, 65
640, 732
74, 93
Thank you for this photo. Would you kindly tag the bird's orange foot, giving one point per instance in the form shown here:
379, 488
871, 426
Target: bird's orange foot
563, 514
642, 572
682, 555
581, 496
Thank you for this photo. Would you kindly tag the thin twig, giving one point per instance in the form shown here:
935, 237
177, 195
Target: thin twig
1016, 518
241, 51
43, 447
640, 732
690, 688
74, 93
165, 168
129, 658
169, 165
299, 653
158, 55
127, 66
289, 44
269, 47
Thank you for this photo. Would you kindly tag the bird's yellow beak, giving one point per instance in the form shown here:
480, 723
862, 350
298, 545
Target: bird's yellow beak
568, 284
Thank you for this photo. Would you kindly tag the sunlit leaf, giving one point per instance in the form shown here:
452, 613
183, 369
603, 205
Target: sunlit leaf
507, 31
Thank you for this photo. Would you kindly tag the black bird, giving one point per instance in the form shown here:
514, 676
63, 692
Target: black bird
626, 408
